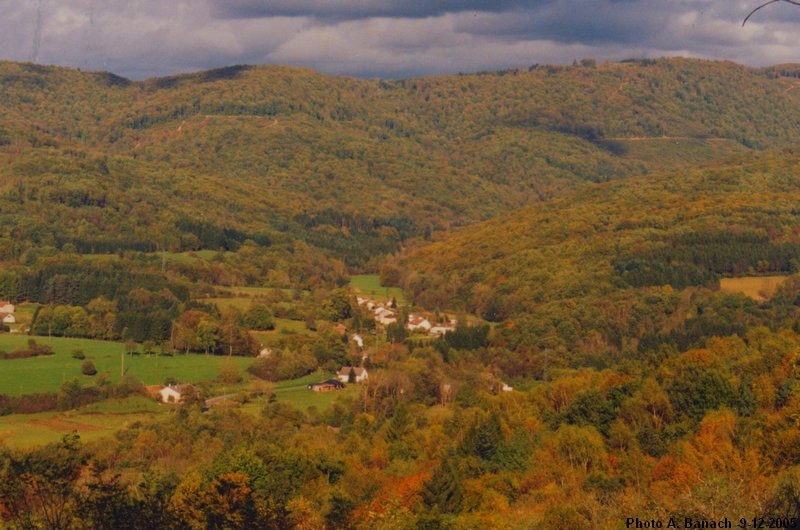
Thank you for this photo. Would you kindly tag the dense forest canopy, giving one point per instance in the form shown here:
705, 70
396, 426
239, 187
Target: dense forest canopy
352, 167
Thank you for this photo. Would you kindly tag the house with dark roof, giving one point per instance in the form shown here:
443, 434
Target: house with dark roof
327, 386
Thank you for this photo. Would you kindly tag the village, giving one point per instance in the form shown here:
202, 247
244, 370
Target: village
383, 313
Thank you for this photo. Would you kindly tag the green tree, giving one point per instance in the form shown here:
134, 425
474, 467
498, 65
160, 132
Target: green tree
207, 334
259, 317
104, 503
443, 490
336, 307
38, 488
396, 333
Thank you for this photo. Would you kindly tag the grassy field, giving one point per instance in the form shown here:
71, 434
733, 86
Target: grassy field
98, 420
173, 257
759, 288
240, 303
296, 392
243, 297
679, 151
47, 374
283, 327
370, 285
255, 292
91, 423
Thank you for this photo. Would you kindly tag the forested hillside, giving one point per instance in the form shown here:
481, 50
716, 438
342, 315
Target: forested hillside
567, 227
349, 166
622, 268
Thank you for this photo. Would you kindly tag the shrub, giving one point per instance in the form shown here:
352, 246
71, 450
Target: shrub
87, 368
78, 354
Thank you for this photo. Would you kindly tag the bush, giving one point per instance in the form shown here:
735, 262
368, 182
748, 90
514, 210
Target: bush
88, 368
283, 365
33, 350
78, 354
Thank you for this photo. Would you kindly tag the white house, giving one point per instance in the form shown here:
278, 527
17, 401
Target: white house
7, 318
386, 317
6, 307
360, 373
441, 329
358, 339
174, 394
418, 322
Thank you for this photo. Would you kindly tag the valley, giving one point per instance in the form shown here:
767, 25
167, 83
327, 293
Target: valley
534, 298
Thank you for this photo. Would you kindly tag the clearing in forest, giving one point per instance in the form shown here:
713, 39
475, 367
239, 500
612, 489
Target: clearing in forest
759, 288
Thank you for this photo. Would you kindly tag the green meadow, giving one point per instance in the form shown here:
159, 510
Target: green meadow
95, 421
370, 285
48, 373
91, 422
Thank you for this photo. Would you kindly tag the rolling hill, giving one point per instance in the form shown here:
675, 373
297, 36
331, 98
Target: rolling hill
351, 167
626, 266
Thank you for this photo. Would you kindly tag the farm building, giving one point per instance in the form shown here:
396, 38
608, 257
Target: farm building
6, 306
174, 394
360, 374
418, 322
441, 329
385, 317
327, 386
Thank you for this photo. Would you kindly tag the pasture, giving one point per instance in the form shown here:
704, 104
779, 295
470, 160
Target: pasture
95, 421
283, 327
48, 373
91, 423
370, 285
759, 288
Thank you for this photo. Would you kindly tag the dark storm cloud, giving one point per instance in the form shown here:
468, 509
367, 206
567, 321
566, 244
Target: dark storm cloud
386, 38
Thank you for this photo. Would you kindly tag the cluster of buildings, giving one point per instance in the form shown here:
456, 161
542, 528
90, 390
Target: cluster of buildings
383, 314
386, 314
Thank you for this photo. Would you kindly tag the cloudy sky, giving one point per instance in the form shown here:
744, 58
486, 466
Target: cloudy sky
387, 38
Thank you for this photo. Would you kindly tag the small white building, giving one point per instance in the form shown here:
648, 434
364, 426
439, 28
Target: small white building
6, 307
358, 339
8, 318
386, 317
360, 373
418, 322
174, 394
441, 329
